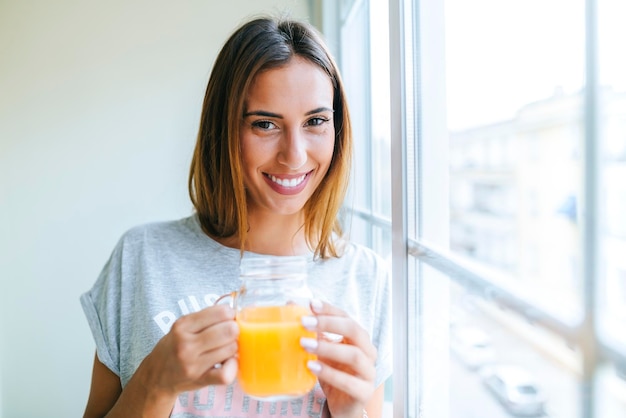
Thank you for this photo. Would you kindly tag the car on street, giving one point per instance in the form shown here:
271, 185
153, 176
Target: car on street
472, 346
516, 389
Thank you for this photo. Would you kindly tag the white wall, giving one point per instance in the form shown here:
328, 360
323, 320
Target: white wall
99, 106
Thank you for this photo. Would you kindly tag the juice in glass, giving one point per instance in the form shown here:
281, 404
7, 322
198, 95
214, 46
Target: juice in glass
272, 363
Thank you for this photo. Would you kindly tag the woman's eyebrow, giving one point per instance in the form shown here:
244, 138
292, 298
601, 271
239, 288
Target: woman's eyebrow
267, 114
319, 110
262, 113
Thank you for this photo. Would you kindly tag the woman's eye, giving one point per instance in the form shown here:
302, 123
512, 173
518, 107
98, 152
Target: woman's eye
316, 121
263, 124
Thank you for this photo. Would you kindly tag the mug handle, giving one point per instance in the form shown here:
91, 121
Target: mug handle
228, 298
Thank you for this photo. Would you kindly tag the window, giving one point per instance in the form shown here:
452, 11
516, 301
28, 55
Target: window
506, 229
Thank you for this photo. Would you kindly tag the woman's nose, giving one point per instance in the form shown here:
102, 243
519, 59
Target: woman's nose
293, 150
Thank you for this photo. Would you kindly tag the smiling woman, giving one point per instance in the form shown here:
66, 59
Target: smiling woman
276, 92
268, 177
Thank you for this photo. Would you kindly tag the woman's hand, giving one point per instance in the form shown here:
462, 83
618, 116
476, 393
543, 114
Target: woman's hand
198, 351
345, 369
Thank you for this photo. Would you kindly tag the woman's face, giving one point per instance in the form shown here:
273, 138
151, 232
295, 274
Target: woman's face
287, 137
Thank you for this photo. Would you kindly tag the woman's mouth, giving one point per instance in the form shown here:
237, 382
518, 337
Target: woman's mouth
287, 185
293, 182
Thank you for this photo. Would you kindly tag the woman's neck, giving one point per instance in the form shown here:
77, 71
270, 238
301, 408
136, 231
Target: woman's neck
272, 234
277, 235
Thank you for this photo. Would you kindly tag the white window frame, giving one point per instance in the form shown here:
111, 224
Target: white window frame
417, 83
425, 248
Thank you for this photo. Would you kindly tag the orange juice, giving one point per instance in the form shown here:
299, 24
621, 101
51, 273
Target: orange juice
272, 363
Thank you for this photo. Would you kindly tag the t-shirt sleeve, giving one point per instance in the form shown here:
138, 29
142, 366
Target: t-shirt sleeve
101, 305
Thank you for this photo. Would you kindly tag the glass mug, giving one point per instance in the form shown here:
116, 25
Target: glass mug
269, 306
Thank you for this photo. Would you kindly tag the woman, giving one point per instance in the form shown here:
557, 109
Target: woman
268, 176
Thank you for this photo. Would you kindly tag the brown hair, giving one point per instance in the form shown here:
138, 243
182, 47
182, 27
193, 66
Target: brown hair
215, 180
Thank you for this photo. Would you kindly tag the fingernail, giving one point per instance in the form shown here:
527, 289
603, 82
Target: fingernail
309, 344
332, 337
317, 305
314, 366
309, 322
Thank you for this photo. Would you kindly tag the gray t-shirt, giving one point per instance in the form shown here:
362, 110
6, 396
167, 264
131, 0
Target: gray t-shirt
162, 271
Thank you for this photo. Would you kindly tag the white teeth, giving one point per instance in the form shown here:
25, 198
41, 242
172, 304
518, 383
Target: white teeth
288, 182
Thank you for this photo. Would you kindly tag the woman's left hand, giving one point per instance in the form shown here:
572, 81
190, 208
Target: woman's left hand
345, 369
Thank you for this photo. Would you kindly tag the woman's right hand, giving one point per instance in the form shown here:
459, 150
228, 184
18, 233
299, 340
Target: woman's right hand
198, 351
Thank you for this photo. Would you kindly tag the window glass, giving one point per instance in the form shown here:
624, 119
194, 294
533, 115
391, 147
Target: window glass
355, 70
382, 242
359, 229
612, 128
430, 374
514, 82
495, 125
364, 62
502, 365
381, 146
611, 391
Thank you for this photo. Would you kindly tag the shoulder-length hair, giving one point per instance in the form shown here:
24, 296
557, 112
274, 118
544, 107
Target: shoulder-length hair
216, 183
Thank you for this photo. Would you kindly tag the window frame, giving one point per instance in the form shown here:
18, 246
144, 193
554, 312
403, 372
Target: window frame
416, 83
469, 275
